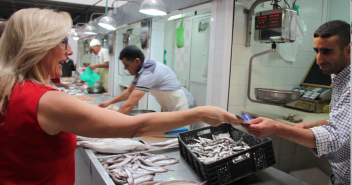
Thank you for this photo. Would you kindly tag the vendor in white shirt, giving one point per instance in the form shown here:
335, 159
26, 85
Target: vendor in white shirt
103, 62
153, 77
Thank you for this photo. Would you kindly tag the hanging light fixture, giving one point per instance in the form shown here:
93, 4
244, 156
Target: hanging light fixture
75, 35
108, 22
90, 29
153, 7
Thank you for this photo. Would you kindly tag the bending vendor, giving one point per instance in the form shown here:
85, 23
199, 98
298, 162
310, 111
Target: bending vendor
103, 62
153, 77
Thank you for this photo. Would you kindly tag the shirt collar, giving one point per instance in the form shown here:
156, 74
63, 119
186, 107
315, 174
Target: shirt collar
140, 67
344, 74
100, 51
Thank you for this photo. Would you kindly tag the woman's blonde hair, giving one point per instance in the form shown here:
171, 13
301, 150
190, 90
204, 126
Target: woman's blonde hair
27, 38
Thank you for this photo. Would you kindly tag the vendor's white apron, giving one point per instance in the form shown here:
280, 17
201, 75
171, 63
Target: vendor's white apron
104, 78
171, 100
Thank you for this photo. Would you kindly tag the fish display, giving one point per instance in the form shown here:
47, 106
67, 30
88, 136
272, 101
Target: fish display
167, 144
134, 169
182, 182
113, 145
221, 146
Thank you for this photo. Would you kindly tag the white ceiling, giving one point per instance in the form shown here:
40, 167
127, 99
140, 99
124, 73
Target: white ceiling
91, 2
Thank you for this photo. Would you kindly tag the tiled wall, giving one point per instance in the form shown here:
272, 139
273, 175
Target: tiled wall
219, 53
290, 156
269, 70
157, 41
272, 71
169, 43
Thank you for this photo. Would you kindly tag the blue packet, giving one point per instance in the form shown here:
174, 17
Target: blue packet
178, 130
246, 117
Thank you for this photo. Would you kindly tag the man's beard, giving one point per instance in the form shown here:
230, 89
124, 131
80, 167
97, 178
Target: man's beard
336, 66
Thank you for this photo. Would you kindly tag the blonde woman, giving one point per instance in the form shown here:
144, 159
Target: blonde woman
39, 123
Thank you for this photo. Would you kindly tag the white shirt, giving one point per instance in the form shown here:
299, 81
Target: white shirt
102, 57
163, 84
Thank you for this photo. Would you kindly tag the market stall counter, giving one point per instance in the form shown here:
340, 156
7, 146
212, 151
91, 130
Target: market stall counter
89, 169
178, 171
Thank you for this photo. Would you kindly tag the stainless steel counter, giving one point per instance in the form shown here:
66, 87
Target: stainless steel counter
181, 170
99, 97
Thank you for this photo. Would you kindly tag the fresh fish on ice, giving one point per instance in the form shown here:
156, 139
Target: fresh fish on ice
168, 142
117, 146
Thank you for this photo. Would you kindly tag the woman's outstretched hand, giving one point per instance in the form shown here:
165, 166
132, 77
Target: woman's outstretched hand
215, 116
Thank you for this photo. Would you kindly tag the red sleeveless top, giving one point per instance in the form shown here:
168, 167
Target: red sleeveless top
28, 155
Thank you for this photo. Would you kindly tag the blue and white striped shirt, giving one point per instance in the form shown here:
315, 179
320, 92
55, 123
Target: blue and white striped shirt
334, 140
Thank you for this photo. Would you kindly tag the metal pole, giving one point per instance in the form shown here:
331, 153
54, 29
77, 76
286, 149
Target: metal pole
250, 75
106, 7
91, 16
85, 10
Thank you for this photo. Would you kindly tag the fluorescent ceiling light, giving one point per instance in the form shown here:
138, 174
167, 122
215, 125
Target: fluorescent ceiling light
153, 7
176, 17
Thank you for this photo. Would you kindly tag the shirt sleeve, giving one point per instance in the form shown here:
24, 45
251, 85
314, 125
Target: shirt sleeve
145, 81
331, 138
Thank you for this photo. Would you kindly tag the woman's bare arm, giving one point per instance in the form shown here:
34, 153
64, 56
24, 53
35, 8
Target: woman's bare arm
58, 112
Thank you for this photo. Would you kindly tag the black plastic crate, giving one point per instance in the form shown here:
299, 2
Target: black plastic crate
226, 170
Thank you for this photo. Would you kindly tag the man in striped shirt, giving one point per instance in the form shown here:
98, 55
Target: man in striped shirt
327, 137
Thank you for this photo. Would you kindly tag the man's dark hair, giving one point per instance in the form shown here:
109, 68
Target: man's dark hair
131, 52
337, 27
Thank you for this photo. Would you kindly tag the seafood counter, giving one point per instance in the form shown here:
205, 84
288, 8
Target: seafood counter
178, 171
175, 167
158, 159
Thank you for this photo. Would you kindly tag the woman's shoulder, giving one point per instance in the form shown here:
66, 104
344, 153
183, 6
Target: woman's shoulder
29, 87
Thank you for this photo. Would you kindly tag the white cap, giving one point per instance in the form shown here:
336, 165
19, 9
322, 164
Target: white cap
94, 42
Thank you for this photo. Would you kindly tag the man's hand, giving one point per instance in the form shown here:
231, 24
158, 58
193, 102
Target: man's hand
215, 116
261, 127
92, 67
104, 104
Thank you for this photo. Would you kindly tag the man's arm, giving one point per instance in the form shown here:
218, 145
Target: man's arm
263, 127
132, 100
300, 136
307, 125
121, 97
61, 85
94, 66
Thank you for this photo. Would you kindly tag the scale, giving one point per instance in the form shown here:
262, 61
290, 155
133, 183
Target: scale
271, 26
275, 26
314, 80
